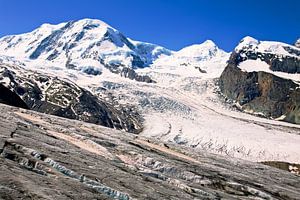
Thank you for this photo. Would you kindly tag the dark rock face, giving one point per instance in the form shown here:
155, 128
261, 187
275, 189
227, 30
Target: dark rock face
127, 72
10, 98
260, 91
58, 97
46, 157
131, 74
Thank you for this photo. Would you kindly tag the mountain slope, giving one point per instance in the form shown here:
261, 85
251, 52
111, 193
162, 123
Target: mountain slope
297, 44
55, 95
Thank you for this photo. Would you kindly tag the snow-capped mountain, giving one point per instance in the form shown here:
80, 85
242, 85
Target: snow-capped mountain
91, 45
205, 58
280, 59
182, 105
86, 45
80, 40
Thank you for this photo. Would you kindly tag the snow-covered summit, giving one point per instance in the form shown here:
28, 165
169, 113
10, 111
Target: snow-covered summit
272, 47
206, 57
202, 52
90, 45
247, 42
75, 43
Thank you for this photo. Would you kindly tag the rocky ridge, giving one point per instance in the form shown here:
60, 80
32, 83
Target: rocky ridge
53, 95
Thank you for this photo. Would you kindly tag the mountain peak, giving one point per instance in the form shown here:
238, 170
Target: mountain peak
81, 44
207, 50
208, 43
247, 42
92, 22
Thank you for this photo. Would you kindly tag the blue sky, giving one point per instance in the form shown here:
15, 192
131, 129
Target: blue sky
170, 23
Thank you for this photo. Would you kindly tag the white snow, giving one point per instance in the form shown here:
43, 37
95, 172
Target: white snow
6, 82
187, 62
249, 43
258, 65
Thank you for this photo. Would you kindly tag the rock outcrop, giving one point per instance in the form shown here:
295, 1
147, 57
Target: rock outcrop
263, 92
10, 98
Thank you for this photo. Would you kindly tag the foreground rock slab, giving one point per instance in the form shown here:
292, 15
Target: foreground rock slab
47, 157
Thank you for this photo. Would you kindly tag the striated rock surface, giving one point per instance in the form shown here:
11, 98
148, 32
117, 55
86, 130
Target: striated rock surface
46, 157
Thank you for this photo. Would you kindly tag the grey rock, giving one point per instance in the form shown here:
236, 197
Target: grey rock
127, 72
55, 158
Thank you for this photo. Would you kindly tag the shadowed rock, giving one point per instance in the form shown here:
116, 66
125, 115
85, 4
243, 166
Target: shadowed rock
10, 98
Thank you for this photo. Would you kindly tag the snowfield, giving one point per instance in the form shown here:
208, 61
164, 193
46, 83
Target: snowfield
258, 65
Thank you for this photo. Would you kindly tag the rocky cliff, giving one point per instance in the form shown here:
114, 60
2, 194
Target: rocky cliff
268, 84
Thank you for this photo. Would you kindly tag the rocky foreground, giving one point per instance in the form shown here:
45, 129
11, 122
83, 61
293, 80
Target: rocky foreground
47, 157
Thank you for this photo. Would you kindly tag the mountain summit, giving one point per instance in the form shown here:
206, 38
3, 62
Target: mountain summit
91, 45
85, 45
